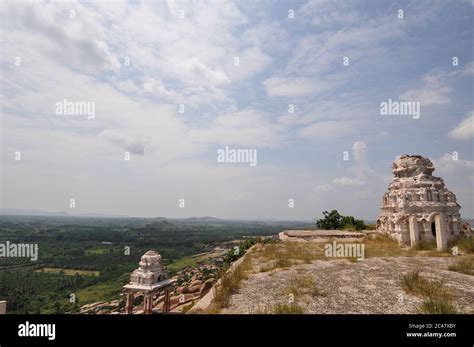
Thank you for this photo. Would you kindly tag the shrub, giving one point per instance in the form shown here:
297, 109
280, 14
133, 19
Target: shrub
235, 253
333, 220
370, 227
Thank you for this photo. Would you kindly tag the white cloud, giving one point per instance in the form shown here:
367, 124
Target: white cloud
448, 164
196, 72
364, 181
434, 92
465, 129
457, 172
156, 87
244, 128
125, 142
359, 149
346, 181
252, 60
327, 130
437, 86
289, 87
78, 43
324, 13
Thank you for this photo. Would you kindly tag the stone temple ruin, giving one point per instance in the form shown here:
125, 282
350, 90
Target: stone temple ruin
418, 206
150, 280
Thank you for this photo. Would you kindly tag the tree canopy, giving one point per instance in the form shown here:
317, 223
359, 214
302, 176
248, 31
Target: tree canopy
335, 221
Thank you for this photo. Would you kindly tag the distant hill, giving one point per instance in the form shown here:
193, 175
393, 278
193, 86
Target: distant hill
161, 220
21, 212
203, 219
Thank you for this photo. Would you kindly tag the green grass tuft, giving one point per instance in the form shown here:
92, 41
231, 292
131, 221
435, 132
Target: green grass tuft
438, 305
437, 299
287, 309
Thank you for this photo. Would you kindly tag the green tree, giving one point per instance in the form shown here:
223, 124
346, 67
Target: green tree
331, 220
335, 221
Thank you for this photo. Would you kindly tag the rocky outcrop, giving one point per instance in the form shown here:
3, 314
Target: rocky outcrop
108, 307
320, 235
192, 285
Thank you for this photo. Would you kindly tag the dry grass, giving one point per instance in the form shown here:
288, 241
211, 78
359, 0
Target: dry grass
465, 266
425, 245
384, 246
292, 308
287, 309
283, 255
438, 305
414, 283
303, 285
466, 245
187, 307
230, 283
437, 299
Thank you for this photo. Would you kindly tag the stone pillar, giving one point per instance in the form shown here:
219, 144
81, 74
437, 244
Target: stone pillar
148, 303
441, 237
167, 301
129, 303
151, 295
3, 307
414, 233
455, 225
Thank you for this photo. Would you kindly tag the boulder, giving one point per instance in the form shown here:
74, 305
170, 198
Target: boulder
195, 283
191, 289
206, 287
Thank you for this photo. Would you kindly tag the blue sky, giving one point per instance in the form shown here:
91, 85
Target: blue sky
139, 61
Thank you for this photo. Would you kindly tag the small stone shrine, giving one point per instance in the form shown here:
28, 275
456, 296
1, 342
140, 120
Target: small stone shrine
418, 206
150, 280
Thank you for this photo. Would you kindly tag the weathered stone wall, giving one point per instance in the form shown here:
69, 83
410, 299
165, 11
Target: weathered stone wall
418, 206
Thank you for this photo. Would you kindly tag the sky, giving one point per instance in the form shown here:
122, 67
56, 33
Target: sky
298, 83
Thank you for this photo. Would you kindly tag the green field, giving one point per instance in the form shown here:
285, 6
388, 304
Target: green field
97, 251
69, 272
89, 257
181, 264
